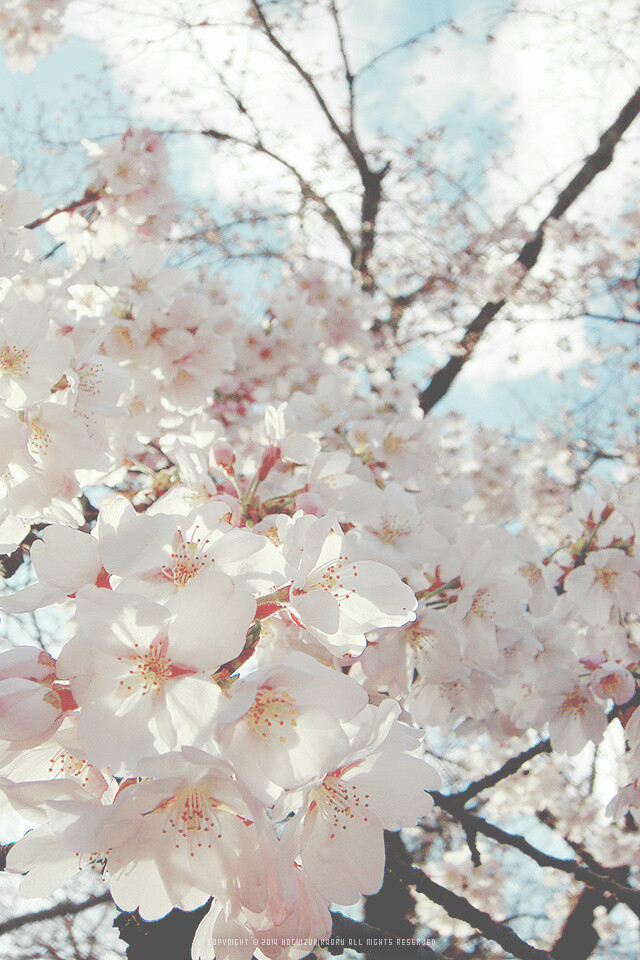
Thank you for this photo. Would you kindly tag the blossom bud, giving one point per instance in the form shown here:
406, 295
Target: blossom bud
269, 459
593, 660
28, 663
224, 455
27, 709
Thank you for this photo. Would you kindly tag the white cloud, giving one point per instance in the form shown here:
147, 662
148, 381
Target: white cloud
568, 68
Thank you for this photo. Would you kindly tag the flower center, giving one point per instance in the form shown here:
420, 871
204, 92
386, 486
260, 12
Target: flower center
341, 803
187, 558
330, 579
271, 711
40, 439
148, 672
482, 605
389, 533
574, 704
14, 361
606, 577
194, 817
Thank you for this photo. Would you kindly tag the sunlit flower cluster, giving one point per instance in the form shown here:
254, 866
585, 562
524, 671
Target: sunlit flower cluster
277, 576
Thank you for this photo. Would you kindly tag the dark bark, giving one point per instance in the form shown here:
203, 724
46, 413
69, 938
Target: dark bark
66, 908
460, 908
392, 907
579, 937
171, 937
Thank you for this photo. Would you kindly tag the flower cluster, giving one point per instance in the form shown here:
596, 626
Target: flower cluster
290, 577
30, 29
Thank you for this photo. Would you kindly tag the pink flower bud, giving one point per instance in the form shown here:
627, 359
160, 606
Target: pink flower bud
593, 660
224, 455
29, 663
28, 710
269, 459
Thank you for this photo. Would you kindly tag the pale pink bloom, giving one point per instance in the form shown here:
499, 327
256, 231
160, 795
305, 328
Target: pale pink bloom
30, 663
191, 831
141, 679
390, 529
624, 800
283, 728
97, 387
608, 580
612, 681
29, 710
379, 785
226, 936
193, 365
158, 555
30, 361
293, 447
57, 443
64, 560
65, 840
575, 716
480, 611
59, 755
336, 600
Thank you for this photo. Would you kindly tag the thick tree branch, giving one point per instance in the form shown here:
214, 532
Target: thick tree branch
598, 161
393, 906
371, 198
601, 881
579, 938
65, 908
511, 766
460, 908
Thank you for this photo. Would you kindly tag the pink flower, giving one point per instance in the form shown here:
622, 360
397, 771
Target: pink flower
612, 681
334, 599
607, 580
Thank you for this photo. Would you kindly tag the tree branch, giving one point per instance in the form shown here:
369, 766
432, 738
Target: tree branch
578, 938
63, 909
402, 45
595, 163
90, 196
308, 192
600, 881
348, 73
349, 141
460, 908
371, 179
511, 766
